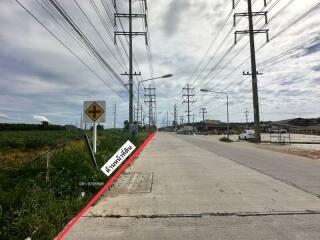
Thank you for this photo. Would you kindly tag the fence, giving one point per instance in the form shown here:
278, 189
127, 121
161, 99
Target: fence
37, 162
280, 138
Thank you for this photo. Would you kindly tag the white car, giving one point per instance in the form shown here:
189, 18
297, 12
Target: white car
247, 134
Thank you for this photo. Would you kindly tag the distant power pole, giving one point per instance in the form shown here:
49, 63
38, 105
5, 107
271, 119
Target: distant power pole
150, 99
254, 72
134, 113
188, 99
141, 112
181, 119
175, 116
203, 111
130, 34
246, 112
155, 118
114, 115
167, 119
81, 120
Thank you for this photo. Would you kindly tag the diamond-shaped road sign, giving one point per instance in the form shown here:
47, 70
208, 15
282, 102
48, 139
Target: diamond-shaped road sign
94, 111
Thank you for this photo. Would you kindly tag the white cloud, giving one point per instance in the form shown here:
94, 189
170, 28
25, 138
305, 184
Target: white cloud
39, 75
40, 118
4, 116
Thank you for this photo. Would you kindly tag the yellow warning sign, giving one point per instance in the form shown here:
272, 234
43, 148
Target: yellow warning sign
94, 111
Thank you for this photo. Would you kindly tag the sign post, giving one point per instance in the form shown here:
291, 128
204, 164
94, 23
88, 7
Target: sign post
94, 138
94, 112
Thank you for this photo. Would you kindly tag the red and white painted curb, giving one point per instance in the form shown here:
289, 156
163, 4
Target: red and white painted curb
105, 187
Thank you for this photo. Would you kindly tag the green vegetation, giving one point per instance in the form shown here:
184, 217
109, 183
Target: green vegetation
32, 207
29, 127
36, 139
225, 139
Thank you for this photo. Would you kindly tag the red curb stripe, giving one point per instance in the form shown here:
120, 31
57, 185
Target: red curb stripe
105, 187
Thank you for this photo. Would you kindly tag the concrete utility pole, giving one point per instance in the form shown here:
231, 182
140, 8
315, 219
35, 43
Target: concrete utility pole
254, 72
114, 115
203, 111
155, 118
141, 113
188, 96
246, 112
181, 119
150, 99
175, 116
145, 80
81, 120
227, 95
134, 113
130, 34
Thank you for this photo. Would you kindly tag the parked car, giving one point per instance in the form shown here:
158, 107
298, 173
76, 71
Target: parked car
247, 134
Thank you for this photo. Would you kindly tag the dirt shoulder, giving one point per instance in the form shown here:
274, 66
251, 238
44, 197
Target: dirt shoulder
304, 150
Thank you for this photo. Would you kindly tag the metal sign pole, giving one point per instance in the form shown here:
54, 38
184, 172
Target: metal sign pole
94, 138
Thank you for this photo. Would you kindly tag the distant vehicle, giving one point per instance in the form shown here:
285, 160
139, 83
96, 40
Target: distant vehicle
247, 134
188, 130
277, 130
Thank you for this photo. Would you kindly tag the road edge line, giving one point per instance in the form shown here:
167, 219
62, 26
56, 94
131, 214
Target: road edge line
105, 187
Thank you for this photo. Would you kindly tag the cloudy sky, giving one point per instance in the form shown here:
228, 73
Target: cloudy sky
192, 39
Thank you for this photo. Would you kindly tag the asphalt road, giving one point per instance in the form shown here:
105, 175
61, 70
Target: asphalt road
194, 187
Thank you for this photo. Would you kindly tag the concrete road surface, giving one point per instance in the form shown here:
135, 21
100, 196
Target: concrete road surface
297, 171
183, 187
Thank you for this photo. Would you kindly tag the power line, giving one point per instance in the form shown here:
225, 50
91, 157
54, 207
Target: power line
88, 44
72, 52
277, 35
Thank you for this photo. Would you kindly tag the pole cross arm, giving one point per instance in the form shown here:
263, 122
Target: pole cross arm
245, 32
117, 33
128, 16
234, 4
250, 74
114, 3
265, 14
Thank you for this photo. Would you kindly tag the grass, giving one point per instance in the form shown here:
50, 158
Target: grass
32, 207
35, 139
225, 139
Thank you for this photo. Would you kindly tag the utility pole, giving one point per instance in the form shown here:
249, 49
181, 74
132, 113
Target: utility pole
155, 118
144, 117
246, 112
114, 115
130, 34
81, 120
181, 119
167, 119
188, 96
254, 72
134, 113
141, 113
175, 116
150, 99
203, 111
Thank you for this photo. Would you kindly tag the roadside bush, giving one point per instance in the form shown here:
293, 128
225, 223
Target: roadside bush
225, 139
